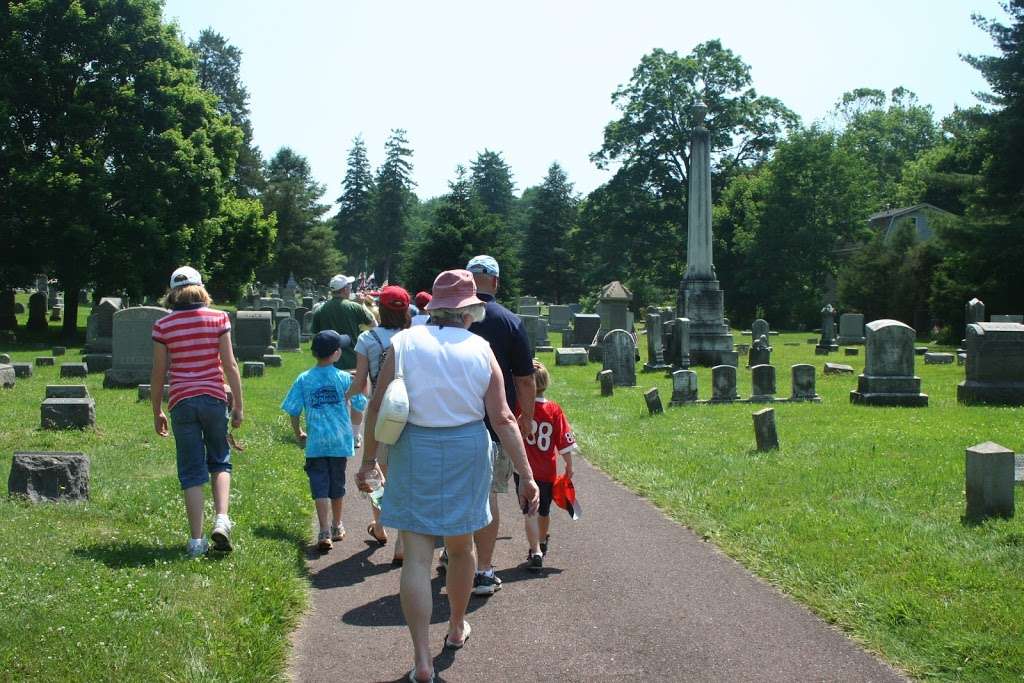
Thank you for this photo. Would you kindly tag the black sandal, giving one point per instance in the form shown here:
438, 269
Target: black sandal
380, 541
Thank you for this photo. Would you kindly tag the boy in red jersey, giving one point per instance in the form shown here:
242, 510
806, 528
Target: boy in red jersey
193, 341
550, 436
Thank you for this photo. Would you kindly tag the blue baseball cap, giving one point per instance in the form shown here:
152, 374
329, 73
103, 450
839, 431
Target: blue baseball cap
327, 342
483, 264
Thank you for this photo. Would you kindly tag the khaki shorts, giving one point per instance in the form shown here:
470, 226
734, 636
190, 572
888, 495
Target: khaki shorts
502, 465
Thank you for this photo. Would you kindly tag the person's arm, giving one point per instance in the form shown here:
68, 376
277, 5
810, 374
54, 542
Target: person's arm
359, 380
300, 435
387, 373
567, 457
156, 388
526, 394
504, 424
227, 360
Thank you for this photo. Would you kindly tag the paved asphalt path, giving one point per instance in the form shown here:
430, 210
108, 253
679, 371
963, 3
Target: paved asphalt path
625, 595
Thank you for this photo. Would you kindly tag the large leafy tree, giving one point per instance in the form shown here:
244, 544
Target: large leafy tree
218, 65
292, 195
394, 200
461, 229
548, 263
112, 157
653, 133
354, 222
492, 183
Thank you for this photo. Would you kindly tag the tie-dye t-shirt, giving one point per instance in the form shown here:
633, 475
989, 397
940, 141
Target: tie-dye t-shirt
320, 393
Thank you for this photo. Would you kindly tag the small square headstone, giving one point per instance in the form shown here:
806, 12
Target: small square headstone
684, 387
22, 369
607, 380
68, 413
252, 369
653, 400
272, 361
44, 361
570, 356
849, 351
989, 475
765, 434
74, 370
59, 350
67, 391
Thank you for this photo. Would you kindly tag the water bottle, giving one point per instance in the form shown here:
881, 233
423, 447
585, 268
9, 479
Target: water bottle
373, 480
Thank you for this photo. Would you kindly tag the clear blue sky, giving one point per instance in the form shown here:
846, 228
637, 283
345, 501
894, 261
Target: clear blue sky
533, 79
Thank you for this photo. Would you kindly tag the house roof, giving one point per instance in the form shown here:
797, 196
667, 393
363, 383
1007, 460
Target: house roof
896, 213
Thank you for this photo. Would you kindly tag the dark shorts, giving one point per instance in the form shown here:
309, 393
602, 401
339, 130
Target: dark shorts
546, 488
326, 477
200, 426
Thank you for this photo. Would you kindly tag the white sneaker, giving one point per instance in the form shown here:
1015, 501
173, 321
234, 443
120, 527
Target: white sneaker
221, 534
197, 547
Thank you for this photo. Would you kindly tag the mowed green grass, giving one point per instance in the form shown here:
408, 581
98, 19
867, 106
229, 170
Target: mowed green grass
858, 515
103, 591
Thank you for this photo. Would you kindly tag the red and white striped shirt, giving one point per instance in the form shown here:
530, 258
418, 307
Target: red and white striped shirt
192, 337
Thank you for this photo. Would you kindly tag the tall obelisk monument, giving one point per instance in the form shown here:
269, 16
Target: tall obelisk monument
699, 295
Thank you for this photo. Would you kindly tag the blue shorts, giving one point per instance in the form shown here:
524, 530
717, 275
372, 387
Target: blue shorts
200, 426
326, 477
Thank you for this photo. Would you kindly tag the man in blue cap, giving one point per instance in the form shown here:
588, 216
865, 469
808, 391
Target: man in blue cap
505, 332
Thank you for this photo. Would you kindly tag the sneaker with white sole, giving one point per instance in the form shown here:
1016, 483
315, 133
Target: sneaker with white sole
534, 562
323, 541
197, 547
442, 561
485, 584
338, 533
221, 534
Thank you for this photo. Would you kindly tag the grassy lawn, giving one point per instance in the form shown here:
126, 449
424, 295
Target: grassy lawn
857, 516
103, 590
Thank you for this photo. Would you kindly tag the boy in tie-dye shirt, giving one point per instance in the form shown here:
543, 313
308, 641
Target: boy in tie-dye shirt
320, 393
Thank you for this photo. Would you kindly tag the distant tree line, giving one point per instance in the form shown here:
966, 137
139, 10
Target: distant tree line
118, 164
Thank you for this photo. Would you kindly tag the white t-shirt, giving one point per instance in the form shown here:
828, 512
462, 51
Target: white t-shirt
447, 370
420, 319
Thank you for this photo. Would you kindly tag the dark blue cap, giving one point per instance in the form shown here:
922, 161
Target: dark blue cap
327, 342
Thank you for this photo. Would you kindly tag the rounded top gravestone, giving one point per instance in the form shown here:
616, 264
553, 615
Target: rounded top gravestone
889, 349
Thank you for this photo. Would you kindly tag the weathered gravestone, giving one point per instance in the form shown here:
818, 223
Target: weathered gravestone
37, 313
850, 351
529, 310
653, 401
828, 327
67, 391
68, 413
974, 312
99, 331
8, 380
558, 317
762, 379
74, 370
132, 346
803, 383
531, 324
543, 343
995, 365
272, 360
759, 328
55, 313
22, 370
5, 359
618, 354
570, 356
253, 332
584, 331
49, 476
44, 361
289, 335
59, 351
765, 434
851, 328
677, 346
252, 369
989, 478
146, 392
307, 326
607, 380
888, 378
684, 387
760, 353
300, 315
98, 362
838, 369
932, 358
8, 318
655, 357
723, 384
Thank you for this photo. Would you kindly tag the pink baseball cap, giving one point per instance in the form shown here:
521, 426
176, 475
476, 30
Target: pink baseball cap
453, 289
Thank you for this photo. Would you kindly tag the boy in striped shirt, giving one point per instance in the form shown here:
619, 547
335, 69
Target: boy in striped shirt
194, 342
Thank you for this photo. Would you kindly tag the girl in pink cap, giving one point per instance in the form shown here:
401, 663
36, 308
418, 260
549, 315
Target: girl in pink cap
439, 470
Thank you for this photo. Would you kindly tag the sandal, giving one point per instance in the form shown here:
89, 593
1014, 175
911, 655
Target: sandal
448, 645
380, 541
413, 679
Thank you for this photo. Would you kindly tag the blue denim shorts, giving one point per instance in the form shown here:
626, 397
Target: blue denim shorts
200, 426
326, 477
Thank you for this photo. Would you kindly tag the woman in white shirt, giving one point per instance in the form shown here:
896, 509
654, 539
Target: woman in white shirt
439, 471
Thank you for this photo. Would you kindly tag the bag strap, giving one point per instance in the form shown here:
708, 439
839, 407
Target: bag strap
399, 365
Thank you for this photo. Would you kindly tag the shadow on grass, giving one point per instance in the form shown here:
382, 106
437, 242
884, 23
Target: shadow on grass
126, 555
279, 533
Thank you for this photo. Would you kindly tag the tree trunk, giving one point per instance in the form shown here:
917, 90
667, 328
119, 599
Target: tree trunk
69, 327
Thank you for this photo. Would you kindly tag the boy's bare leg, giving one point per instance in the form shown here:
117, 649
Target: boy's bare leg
533, 533
336, 508
416, 599
544, 524
323, 507
486, 538
221, 484
461, 564
194, 510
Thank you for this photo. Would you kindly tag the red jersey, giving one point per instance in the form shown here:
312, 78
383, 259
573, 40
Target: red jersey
192, 338
551, 435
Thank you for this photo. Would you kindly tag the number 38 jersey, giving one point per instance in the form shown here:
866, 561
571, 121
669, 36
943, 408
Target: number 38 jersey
551, 435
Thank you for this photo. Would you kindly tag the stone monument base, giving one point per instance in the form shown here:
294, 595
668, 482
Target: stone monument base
889, 391
992, 393
656, 367
125, 378
847, 341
